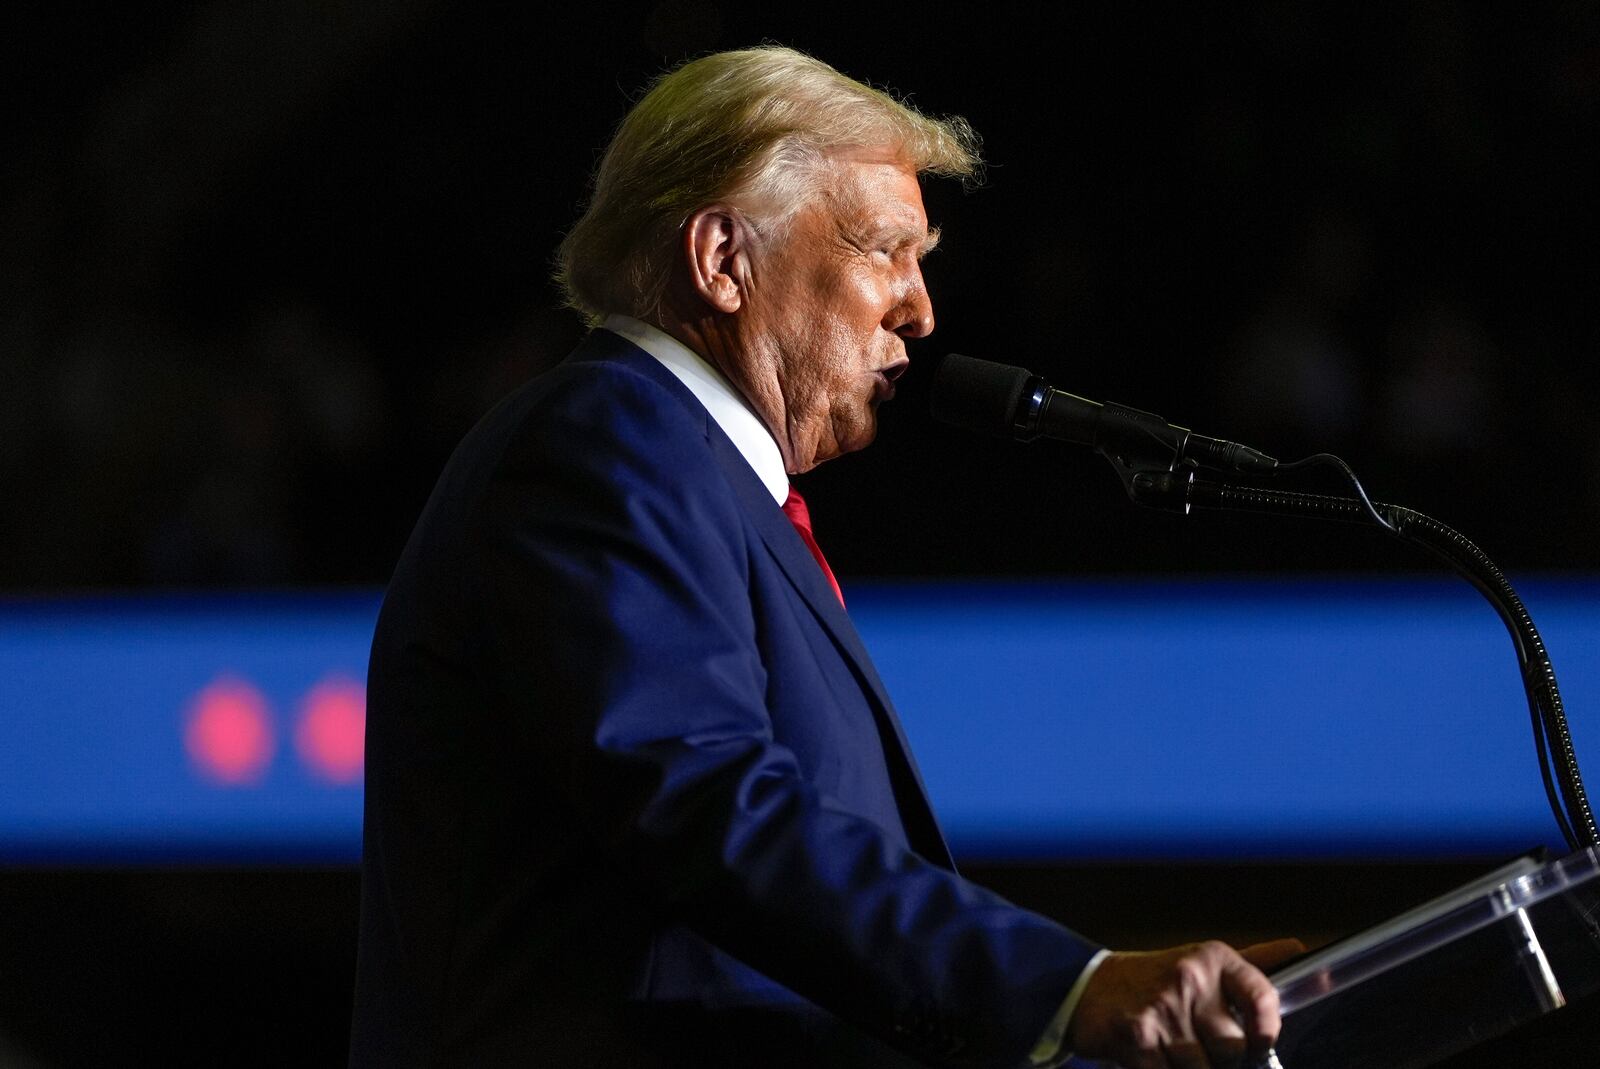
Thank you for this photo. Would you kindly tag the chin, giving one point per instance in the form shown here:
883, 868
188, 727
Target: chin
861, 437
849, 435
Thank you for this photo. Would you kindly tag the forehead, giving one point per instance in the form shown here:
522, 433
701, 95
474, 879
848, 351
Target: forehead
878, 193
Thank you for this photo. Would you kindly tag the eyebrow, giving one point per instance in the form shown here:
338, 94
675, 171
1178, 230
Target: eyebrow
902, 236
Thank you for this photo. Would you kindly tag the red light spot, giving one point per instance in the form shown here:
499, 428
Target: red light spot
229, 731
331, 734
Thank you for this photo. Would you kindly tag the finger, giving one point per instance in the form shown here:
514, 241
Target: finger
1248, 991
1207, 1033
1218, 1030
1144, 1041
1224, 1041
1268, 955
1185, 1054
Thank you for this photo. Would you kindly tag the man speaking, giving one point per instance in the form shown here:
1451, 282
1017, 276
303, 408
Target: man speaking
635, 793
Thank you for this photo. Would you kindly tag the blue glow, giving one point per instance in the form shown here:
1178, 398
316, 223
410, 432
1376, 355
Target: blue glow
1215, 719
1207, 719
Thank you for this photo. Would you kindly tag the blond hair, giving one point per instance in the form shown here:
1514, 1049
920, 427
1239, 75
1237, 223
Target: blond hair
753, 128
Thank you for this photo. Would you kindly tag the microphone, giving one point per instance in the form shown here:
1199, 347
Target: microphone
1012, 402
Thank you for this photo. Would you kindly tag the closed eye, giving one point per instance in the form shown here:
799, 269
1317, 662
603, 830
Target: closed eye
896, 243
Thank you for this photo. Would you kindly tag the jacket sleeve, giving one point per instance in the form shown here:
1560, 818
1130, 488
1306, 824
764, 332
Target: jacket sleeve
619, 628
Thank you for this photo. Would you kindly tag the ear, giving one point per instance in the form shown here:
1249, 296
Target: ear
717, 243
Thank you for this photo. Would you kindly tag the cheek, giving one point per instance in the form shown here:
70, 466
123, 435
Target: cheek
856, 326
825, 356
832, 333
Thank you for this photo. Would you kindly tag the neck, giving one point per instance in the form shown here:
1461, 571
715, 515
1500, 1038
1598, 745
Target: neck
748, 367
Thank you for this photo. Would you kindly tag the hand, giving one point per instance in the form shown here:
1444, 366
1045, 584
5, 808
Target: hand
1174, 1009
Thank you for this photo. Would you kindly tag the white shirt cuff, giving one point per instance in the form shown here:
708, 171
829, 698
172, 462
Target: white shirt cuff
1048, 1050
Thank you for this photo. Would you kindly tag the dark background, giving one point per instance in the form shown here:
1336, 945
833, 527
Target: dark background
261, 265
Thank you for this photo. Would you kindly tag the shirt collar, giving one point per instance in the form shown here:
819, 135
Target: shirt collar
748, 434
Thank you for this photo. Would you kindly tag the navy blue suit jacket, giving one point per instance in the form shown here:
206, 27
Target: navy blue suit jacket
635, 793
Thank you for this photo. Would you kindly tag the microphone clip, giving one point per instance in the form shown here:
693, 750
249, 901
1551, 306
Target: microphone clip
1169, 491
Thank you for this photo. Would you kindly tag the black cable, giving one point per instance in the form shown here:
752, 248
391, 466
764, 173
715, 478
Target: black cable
1539, 680
1329, 460
1541, 745
1552, 740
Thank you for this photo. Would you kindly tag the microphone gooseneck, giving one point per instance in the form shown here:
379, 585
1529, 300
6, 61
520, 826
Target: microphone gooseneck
1157, 463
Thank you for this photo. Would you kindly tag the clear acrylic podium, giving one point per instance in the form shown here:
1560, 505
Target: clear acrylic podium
1468, 966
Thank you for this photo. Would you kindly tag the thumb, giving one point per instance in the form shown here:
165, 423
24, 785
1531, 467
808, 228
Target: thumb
1268, 955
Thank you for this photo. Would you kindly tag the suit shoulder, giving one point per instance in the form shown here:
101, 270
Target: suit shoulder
585, 412
581, 406
588, 455
609, 394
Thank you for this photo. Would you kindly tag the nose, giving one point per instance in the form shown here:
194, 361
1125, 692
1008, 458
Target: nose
912, 315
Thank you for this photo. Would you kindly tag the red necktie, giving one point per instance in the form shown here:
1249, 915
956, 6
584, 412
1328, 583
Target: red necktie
794, 507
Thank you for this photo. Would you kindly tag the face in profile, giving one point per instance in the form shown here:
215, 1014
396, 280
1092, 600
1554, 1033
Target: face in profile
831, 304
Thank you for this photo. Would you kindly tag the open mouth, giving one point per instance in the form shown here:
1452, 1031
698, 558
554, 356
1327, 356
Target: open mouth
883, 388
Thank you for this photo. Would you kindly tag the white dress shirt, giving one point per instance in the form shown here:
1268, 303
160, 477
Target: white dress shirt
732, 413
756, 444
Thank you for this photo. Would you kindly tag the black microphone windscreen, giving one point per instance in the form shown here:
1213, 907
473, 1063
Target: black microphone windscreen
979, 395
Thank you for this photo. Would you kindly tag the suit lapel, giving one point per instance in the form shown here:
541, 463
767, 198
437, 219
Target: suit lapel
801, 569
797, 563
